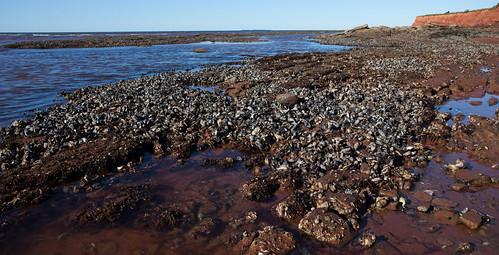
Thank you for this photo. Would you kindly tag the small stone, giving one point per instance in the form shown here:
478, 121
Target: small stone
473, 178
381, 202
493, 101
465, 248
367, 239
287, 99
423, 196
423, 208
472, 219
429, 192
458, 187
200, 50
459, 164
445, 203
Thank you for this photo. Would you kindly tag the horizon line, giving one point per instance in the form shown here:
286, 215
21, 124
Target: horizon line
168, 31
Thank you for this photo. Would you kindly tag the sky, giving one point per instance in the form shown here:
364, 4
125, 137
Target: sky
204, 15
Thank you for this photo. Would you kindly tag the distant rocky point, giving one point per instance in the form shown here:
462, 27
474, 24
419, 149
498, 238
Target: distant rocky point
474, 18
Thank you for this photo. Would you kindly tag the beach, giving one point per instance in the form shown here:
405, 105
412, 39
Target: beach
299, 153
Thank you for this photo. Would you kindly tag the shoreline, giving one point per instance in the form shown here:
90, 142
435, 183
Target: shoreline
318, 126
145, 40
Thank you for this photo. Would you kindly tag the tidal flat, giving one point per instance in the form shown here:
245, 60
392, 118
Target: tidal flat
304, 153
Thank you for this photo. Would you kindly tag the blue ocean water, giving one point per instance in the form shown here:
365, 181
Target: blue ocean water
32, 79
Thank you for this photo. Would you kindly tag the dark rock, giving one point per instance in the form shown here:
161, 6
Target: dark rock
293, 207
260, 188
493, 101
272, 240
472, 219
327, 227
206, 227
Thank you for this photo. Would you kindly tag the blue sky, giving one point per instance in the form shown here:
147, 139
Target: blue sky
166, 15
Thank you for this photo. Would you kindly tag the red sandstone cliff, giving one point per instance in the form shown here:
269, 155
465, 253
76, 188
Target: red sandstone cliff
483, 17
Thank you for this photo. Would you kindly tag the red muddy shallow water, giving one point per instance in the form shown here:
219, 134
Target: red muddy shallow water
212, 192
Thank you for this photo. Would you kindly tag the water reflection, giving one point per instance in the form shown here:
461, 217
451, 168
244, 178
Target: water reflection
471, 106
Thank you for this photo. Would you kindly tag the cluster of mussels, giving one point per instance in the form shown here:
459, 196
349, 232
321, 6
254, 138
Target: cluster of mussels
337, 142
334, 148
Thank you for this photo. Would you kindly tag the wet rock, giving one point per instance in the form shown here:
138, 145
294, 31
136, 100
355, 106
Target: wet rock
162, 218
355, 29
351, 206
423, 196
327, 227
200, 50
445, 203
293, 207
458, 187
272, 240
250, 218
260, 188
206, 227
472, 178
114, 207
367, 239
287, 99
423, 208
493, 101
465, 248
472, 219
343, 204
475, 103
459, 164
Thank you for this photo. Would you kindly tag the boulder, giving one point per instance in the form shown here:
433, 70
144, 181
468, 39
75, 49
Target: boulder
272, 240
361, 27
327, 227
287, 99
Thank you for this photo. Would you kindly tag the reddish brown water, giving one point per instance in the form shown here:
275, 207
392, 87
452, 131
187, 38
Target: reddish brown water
419, 233
203, 191
214, 192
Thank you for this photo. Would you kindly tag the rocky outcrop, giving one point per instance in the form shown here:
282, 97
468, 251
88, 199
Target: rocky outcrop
476, 18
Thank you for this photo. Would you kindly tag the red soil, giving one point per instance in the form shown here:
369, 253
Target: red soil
483, 17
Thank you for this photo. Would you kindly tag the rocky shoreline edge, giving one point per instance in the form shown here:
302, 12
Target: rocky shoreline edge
145, 40
341, 132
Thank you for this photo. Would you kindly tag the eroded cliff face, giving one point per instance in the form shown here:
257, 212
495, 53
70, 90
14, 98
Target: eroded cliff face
483, 17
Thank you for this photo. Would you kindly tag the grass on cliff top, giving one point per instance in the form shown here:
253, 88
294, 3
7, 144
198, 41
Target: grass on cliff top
467, 11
